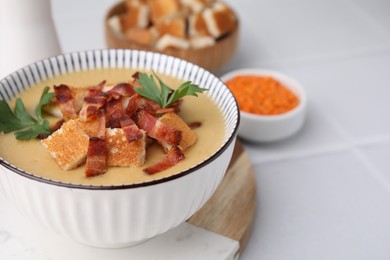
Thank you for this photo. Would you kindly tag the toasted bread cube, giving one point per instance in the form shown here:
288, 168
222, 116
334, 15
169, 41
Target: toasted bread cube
137, 15
115, 24
202, 42
121, 152
196, 5
161, 9
197, 25
175, 26
219, 19
91, 128
78, 94
68, 145
143, 36
188, 137
168, 41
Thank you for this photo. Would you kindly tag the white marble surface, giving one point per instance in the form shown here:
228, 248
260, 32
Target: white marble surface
325, 192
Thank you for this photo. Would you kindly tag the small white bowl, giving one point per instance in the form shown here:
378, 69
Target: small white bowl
267, 128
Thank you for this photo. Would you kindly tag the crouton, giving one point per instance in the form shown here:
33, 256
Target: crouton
78, 95
188, 137
201, 42
163, 8
115, 24
170, 41
68, 145
91, 128
142, 36
175, 26
219, 19
121, 152
197, 25
196, 6
137, 15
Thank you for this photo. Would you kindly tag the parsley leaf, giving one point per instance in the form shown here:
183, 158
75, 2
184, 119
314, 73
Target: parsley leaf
21, 122
164, 95
46, 98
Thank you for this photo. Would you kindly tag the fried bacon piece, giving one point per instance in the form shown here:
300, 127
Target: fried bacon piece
97, 150
130, 129
121, 90
167, 136
114, 111
90, 107
96, 157
137, 102
194, 125
65, 100
173, 156
92, 102
130, 105
96, 90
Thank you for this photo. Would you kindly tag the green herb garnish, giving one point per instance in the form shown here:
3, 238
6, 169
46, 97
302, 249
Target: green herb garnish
164, 95
21, 122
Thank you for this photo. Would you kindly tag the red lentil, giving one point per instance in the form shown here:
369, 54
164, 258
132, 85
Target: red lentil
262, 95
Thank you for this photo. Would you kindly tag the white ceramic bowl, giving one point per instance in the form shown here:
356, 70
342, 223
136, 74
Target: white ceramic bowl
267, 128
118, 216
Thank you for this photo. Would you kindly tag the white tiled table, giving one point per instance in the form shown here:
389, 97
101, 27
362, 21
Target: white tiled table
325, 192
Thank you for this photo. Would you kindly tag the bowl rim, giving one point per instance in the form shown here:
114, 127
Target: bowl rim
180, 174
297, 89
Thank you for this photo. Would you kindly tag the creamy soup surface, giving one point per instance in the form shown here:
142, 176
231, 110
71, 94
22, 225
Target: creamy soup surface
33, 157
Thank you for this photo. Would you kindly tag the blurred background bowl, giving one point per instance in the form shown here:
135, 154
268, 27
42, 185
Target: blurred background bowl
211, 58
267, 128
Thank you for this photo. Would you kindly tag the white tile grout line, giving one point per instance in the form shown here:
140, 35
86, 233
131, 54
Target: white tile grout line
354, 145
351, 145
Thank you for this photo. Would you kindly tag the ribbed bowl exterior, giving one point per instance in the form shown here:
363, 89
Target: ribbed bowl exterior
118, 216
115, 218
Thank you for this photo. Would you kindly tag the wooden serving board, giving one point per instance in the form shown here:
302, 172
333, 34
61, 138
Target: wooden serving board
230, 211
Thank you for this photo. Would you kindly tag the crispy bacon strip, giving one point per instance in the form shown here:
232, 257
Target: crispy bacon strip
173, 156
101, 133
144, 120
97, 151
96, 90
194, 125
114, 112
65, 100
166, 135
132, 132
93, 101
165, 110
90, 107
121, 90
148, 105
96, 157
130, 105
137, 102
